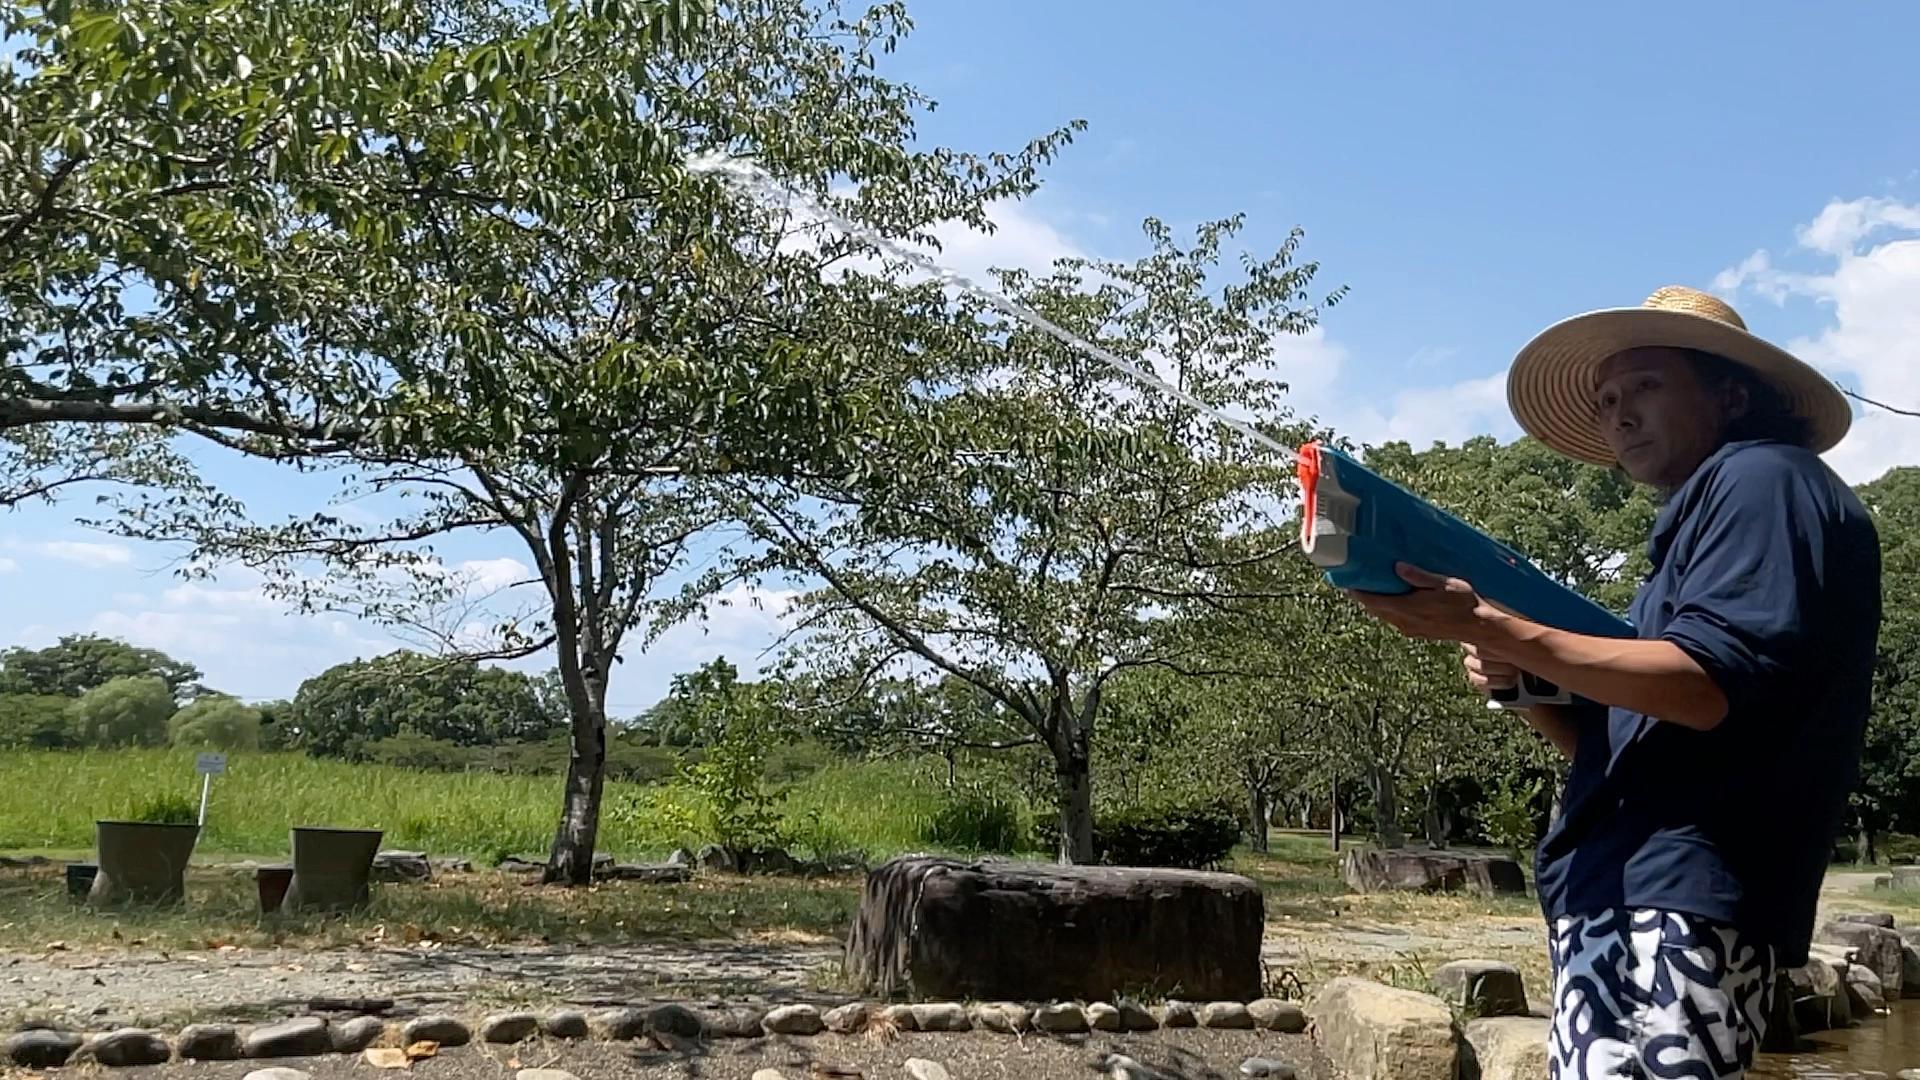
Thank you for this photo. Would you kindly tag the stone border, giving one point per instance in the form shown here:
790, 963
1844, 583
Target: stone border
667, 1026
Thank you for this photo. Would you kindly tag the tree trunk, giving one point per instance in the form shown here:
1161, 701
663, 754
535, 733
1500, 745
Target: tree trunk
1257, 808
1434, 821
571, 860
1386, 807
1073, 775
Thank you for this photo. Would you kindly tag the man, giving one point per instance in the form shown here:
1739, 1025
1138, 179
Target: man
1712, 756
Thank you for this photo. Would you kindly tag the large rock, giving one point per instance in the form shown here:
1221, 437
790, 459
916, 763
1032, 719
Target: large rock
1878, 947
42, 1048
127, 1046
401, 866
1420, 870
651, 873
1367, 1029
995, 930
1819, 999
209, 1042
1505, 1048
300, 1037
1865, 993
1482, 987
1909, 969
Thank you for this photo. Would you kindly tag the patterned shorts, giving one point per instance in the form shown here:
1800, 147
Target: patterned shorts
1647, 993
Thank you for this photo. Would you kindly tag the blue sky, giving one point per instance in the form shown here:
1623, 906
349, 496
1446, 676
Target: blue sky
1472, 172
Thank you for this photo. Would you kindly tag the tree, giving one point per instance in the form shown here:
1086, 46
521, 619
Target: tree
565, 345
216, 722
130, 710
36, 722
1888, 796
348, 707
80, 662
1042, 512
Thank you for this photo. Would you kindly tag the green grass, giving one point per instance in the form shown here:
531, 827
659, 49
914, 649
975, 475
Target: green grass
49, 801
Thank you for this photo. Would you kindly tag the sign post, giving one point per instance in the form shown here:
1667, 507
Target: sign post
207, 765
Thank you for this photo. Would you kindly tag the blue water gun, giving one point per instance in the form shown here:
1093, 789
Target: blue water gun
1356, 525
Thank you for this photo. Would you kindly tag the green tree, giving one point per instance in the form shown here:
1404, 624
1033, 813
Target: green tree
80, 662
1044, 512
216, 722
36, 722
130, 710
1888, 795
345, 709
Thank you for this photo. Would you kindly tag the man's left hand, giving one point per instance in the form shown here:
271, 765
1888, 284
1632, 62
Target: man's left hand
1438, 608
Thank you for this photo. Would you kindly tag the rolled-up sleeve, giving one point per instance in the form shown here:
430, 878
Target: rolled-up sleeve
1742, 605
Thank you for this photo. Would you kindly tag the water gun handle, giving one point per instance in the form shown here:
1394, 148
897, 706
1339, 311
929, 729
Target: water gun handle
1356, 525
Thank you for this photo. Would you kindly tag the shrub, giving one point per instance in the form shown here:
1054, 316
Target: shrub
1192, 833
412, 750
36, 722
216, 722
127, 711
974, 817
167, 810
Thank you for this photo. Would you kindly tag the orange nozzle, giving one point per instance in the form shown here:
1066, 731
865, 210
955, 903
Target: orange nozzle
1308, 470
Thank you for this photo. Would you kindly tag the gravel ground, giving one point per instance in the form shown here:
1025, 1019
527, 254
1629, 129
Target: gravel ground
1182, 1054
137, 987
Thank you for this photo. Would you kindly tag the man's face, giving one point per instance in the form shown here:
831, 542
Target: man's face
1659, 417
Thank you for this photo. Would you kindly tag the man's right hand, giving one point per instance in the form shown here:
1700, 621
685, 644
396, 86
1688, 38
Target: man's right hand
1489, 673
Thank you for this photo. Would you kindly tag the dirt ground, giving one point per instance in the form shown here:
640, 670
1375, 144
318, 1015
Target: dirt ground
1185, 1054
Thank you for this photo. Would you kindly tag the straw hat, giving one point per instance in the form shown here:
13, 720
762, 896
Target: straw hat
1551, 384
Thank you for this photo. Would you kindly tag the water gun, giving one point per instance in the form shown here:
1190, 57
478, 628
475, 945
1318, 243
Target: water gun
1357, 524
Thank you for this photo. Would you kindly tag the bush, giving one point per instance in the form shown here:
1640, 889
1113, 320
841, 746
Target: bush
974, 817
167, 810
36, 722
1192, 834
216, 722
128, 711
412, 750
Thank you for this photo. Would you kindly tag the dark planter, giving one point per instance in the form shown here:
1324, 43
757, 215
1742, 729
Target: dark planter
141, 862
272, 881
80, 879
331, 869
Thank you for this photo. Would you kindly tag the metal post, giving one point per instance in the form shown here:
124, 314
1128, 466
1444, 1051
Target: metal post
1333, 813
206, 783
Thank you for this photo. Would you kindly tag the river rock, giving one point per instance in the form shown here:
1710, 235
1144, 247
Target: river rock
1367, 1029
1875, 946
209, 1042
355, 1035
1137, 1017
927, 1069
278, 1072
303, 1036
1269, 1068
401, 866
1103, 1017
741, 1022
1408, 869
1122, 1067
42, 1048
675, 1021
1819, 999
716, 858
509, 1027
1003, 1017
445, 1030
1882, 919
1229, 1015
941, 1016
565, 1024
848, 1019
1909, 970
650, 873
1177, 1014
1060, 1018
544, 1074
1505, 1048
618, 1025
900, 1018
1273, 1014
1482, 987
127, 1046
1865, 993
959, 929
794, 1020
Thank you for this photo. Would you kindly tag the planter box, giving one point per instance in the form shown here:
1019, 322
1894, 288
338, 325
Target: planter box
331, 868
141, 862
272, 882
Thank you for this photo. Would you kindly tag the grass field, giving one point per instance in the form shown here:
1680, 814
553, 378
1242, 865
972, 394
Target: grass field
49, 801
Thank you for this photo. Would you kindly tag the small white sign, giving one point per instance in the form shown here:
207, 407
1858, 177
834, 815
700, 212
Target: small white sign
210, 764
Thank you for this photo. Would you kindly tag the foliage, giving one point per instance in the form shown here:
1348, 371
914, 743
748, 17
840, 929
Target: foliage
344, 710
1888, 796
977, 817
36, 722
1039, 513
216, 722
80, 662
1195, 833
740, 811
128, 710
166, 810
1509, 813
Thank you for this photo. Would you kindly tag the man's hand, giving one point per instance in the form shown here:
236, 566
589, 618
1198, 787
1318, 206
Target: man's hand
1488, 673
1438, 608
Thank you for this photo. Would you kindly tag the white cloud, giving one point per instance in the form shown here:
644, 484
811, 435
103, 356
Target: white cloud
1870, 342
8, 566
85, 552
484, 576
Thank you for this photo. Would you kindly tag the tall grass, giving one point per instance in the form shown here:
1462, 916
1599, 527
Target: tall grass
50, 799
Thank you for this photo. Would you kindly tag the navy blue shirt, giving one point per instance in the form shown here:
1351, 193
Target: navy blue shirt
1766, 570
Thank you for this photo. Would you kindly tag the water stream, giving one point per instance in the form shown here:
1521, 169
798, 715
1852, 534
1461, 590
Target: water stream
1878, 1048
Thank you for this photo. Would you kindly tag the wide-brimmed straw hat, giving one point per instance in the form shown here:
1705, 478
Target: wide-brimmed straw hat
1551, 385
